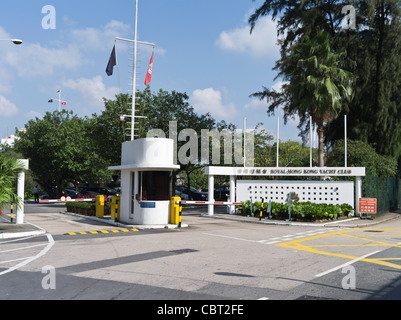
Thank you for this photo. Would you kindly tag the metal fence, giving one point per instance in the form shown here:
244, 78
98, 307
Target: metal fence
386, 190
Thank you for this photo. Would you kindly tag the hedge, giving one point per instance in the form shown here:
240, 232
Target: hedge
85, 208
300, 211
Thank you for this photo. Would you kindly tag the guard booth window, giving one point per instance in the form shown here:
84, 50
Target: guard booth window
154, 185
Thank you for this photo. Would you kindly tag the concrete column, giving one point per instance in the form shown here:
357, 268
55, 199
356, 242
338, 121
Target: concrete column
21, 192
210, 210
232, 194
358, 194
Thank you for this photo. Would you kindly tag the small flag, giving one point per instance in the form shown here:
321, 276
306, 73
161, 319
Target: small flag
63, 103
149, 74
112, 62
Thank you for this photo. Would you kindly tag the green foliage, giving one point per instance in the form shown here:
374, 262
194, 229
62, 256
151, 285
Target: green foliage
315, 84
374, 47
360, 154
81, 205
9, 169
60, 150
300, 211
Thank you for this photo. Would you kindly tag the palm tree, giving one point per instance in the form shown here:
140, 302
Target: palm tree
9, 169
314, 85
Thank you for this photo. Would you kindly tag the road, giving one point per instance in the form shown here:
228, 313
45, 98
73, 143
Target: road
212, 259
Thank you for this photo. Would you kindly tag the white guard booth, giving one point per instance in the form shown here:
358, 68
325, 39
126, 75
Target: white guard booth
146, 181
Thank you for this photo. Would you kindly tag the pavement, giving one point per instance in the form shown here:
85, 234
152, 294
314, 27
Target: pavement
11, 230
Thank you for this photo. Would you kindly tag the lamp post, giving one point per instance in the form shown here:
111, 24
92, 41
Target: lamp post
15, 41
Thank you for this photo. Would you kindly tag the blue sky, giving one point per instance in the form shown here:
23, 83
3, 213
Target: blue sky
203, 48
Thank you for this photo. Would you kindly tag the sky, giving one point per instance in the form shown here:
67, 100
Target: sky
203, 48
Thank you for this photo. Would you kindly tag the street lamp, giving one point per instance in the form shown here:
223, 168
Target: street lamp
15, 41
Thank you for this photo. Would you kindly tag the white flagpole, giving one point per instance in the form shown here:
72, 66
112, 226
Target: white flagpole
278, 139
345, 141
244, 142
134, 75
310, 142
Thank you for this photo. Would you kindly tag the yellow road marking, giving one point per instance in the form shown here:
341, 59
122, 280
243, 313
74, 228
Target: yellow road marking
102, 232
297, 244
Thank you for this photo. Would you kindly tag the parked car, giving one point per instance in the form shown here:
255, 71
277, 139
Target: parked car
193, 194
70, 193
222, 193
182, 195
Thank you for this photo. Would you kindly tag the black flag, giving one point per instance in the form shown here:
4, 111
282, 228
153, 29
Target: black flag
112, 62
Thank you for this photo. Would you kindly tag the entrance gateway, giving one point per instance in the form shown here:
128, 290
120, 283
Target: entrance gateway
146, 183
330, 192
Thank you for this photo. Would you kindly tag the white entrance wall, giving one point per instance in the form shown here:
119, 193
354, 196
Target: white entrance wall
341, 192
330, 192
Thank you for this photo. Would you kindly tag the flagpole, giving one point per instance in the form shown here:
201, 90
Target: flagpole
134, 75
59, 100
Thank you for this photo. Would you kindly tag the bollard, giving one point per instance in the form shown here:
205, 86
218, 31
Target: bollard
12, 213
270, 209
100, 206
175, 210
115, 208
261, 210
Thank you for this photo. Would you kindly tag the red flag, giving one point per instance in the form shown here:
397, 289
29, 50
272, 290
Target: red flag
149, 74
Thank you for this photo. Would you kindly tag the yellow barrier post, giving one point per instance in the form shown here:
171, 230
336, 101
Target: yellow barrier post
115, 208
100, 206
12, 213
175, 210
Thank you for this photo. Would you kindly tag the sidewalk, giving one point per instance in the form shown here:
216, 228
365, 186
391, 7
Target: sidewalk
355, 222
9, 230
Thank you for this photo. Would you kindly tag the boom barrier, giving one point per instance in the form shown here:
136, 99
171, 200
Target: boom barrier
210, 203
68, 199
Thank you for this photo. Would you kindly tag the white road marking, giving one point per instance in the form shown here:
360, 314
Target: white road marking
30, 259
23, 248
346, 264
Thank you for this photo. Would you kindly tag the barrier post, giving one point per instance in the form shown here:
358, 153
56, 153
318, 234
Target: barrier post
261, 210
175, 210
180, 216
115, 208
12, 213
100, 206
289, 207
270, 209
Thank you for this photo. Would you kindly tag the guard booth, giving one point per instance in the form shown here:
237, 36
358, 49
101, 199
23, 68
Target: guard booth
146, 181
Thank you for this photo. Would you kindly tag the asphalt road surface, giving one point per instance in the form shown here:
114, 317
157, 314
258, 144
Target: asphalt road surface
212, 260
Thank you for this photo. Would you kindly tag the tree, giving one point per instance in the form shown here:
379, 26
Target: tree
361, 154
60, 151
316, 85
374, 115
9, 169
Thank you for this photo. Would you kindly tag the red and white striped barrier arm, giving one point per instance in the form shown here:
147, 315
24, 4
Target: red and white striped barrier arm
69, 200
210, 203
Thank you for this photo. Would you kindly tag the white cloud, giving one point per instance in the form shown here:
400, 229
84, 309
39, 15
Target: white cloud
33, 115
33, 60
7, 108
92, 90
256, 104
97, 39
210, 100
261, 43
